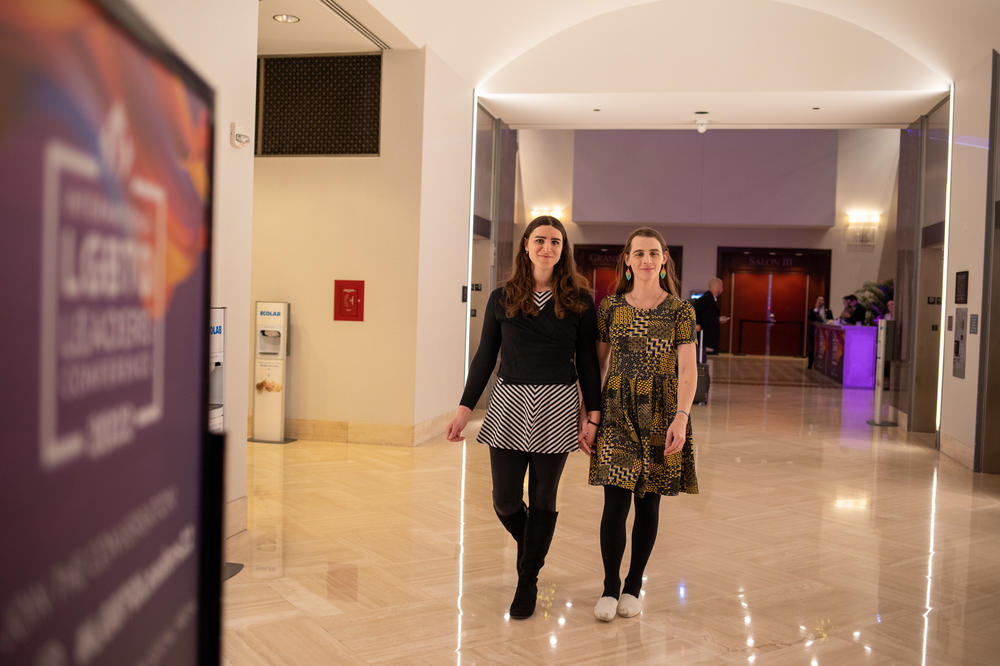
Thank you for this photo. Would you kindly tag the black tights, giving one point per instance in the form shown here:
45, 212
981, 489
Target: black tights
647, 520
508, 469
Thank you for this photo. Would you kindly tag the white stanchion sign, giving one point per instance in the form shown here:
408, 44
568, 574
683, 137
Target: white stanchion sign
271, 335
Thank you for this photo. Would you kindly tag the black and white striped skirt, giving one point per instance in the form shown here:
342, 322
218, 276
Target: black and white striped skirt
537, 418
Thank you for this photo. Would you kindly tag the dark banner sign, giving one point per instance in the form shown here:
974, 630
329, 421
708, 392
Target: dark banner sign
106, 158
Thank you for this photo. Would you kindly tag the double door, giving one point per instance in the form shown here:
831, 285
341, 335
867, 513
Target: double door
768, 313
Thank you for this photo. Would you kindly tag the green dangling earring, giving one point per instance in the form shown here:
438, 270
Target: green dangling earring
628, 273
663, 272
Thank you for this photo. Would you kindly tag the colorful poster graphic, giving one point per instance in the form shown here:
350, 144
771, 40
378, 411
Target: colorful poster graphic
837, 354
105, 153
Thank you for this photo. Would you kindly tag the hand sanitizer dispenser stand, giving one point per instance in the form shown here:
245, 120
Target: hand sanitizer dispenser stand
216, 367
271, 335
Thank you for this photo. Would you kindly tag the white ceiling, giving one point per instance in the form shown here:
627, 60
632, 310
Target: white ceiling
320, 29
751, 63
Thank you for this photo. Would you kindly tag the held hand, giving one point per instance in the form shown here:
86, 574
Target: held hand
676, 435
723, 319
458, 424
586, 438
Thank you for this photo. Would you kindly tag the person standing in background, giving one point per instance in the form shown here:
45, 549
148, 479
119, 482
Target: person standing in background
890, 311
820, 313
707, 311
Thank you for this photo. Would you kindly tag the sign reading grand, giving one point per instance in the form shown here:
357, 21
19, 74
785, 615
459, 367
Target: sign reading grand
105, 156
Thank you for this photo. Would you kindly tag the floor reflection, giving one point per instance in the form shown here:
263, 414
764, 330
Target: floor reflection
814, 539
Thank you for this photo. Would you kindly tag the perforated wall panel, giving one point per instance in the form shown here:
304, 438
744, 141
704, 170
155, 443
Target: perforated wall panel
319, 105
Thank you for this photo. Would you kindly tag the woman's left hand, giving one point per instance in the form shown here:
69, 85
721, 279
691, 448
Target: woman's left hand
676, 435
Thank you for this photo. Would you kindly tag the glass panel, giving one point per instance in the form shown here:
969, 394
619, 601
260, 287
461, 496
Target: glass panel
483, 206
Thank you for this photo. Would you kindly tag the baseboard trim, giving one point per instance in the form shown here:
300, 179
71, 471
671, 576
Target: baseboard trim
432, 427
236, 517
324, 431
379, 433
957, 451
368, 433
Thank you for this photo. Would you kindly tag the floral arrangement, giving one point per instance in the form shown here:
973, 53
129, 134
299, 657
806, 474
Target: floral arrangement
874, 296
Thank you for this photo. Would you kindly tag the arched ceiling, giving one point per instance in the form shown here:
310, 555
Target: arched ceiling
651, 64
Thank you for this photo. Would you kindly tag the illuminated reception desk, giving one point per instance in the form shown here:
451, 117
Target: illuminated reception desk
846, 354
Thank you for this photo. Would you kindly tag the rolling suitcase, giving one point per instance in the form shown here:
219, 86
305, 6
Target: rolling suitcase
704, 378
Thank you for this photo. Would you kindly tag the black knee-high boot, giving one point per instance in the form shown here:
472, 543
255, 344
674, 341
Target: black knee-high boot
538, 532
514, 523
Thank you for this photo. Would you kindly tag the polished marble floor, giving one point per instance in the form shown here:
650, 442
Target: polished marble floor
816, 539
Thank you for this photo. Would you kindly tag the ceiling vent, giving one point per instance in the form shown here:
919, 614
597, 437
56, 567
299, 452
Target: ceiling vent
356, 24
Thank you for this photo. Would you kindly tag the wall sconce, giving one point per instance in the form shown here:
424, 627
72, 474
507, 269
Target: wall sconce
862, 227
862, 217
556, 212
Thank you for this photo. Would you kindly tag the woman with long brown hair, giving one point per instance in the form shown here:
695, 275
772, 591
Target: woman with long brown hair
542, 322
643, 448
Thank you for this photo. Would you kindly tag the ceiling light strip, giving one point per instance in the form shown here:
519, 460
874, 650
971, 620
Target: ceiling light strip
356, 24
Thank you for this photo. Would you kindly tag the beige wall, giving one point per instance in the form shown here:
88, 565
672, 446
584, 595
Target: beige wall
965, 253
227, 59
444, 241
866, 179
318, 219
399, 221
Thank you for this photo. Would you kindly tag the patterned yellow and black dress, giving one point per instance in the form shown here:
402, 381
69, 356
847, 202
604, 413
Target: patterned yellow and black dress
640, 398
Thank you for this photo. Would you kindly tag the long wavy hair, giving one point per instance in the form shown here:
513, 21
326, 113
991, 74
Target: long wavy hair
519, 290
668, 284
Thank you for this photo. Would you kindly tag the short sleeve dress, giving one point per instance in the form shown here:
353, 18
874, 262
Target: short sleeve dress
639, 399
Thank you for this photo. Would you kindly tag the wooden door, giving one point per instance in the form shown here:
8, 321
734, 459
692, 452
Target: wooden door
788, 312
749, 294
768, 313
604, 283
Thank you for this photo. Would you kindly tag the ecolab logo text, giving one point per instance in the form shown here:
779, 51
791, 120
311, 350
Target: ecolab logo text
268, 313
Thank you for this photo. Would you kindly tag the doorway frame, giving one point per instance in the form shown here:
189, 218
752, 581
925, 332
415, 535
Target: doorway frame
816, 263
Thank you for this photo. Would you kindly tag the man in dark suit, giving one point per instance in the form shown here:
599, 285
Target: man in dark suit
706, 310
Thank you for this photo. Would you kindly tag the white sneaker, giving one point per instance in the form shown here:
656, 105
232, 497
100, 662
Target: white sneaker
629, 606
605, 608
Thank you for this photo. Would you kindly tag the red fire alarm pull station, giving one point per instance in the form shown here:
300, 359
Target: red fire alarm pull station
349, 300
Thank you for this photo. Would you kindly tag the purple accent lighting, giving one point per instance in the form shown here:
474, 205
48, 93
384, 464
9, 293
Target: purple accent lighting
859, 356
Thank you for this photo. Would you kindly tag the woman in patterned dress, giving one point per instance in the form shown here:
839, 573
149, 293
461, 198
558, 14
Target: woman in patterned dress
643, 448
542, 322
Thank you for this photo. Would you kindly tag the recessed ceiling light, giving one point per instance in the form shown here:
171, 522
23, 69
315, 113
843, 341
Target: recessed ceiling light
596, 110
286, 18
701, 113
815, 108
